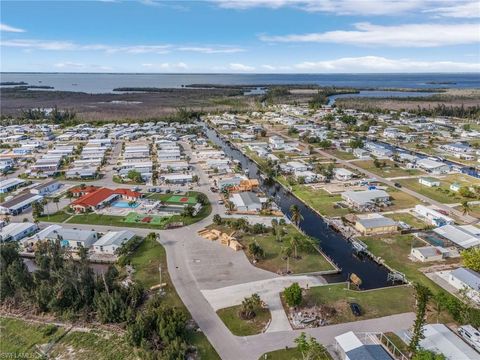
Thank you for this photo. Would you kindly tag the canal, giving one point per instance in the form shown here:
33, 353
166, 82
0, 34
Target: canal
339, 249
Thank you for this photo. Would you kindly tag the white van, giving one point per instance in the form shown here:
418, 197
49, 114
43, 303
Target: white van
470, 335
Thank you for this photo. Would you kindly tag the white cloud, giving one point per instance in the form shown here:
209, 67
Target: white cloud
241, 67
211, 50
408, 35
70, 65
166, 66
376, 64
454, 8
269, 67
8, 28
33, 44
469, 9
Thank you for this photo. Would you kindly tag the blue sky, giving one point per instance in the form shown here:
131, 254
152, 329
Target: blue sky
256, 36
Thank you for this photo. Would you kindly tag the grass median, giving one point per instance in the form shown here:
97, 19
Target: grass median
240, 327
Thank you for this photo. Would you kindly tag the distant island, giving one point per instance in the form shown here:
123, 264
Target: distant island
9, 83
440, 82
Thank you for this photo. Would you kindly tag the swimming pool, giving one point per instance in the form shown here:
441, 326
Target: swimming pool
125, 205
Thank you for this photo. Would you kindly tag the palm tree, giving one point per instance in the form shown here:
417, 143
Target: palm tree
466, 207
296, 216
230, 206
287, 251
295, 243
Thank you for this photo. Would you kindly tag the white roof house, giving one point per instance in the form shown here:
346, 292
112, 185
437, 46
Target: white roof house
246, 201
342, 174
17, 231
10, 184
112, 240
432, 216
438, 338
465, 236
366, 198
351, 347
73, 238
468, 280
433, 166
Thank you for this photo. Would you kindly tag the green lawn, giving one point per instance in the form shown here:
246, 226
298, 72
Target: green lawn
319, 200
308, 261
401, 200
157, 223
440, 193
290, 354
146, 261
388, 171
59, 216
409, 220
394, 250
341, 154
374, 303
242, 327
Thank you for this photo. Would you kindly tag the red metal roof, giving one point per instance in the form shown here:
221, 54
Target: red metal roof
101, 194
86, 189
94, 198
128, 192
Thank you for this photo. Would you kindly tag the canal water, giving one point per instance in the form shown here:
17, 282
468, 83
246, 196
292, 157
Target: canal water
334, 244
96, 267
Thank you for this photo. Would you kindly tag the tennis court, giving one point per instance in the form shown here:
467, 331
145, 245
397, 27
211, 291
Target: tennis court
182, 199
145, 219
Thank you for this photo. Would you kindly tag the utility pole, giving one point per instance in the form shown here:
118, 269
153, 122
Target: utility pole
160, 272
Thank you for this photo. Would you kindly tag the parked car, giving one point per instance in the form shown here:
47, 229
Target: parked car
168, 191
356, 309
398, 185
470, 335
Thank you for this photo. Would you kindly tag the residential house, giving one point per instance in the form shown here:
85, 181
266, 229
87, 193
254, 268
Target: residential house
366, 199
17, 231
373, 224
19, 203
428, 253
350, 347
440, 339
433, 166
342, 174
10, 185
433, 217
246, 201
73, 238
466, 280
464, 236
111, 241
429, 181
46, 188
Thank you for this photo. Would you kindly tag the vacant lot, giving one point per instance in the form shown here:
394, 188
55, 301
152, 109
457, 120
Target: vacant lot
408, 219
21, 339
373, 303
388, 170
307, 261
